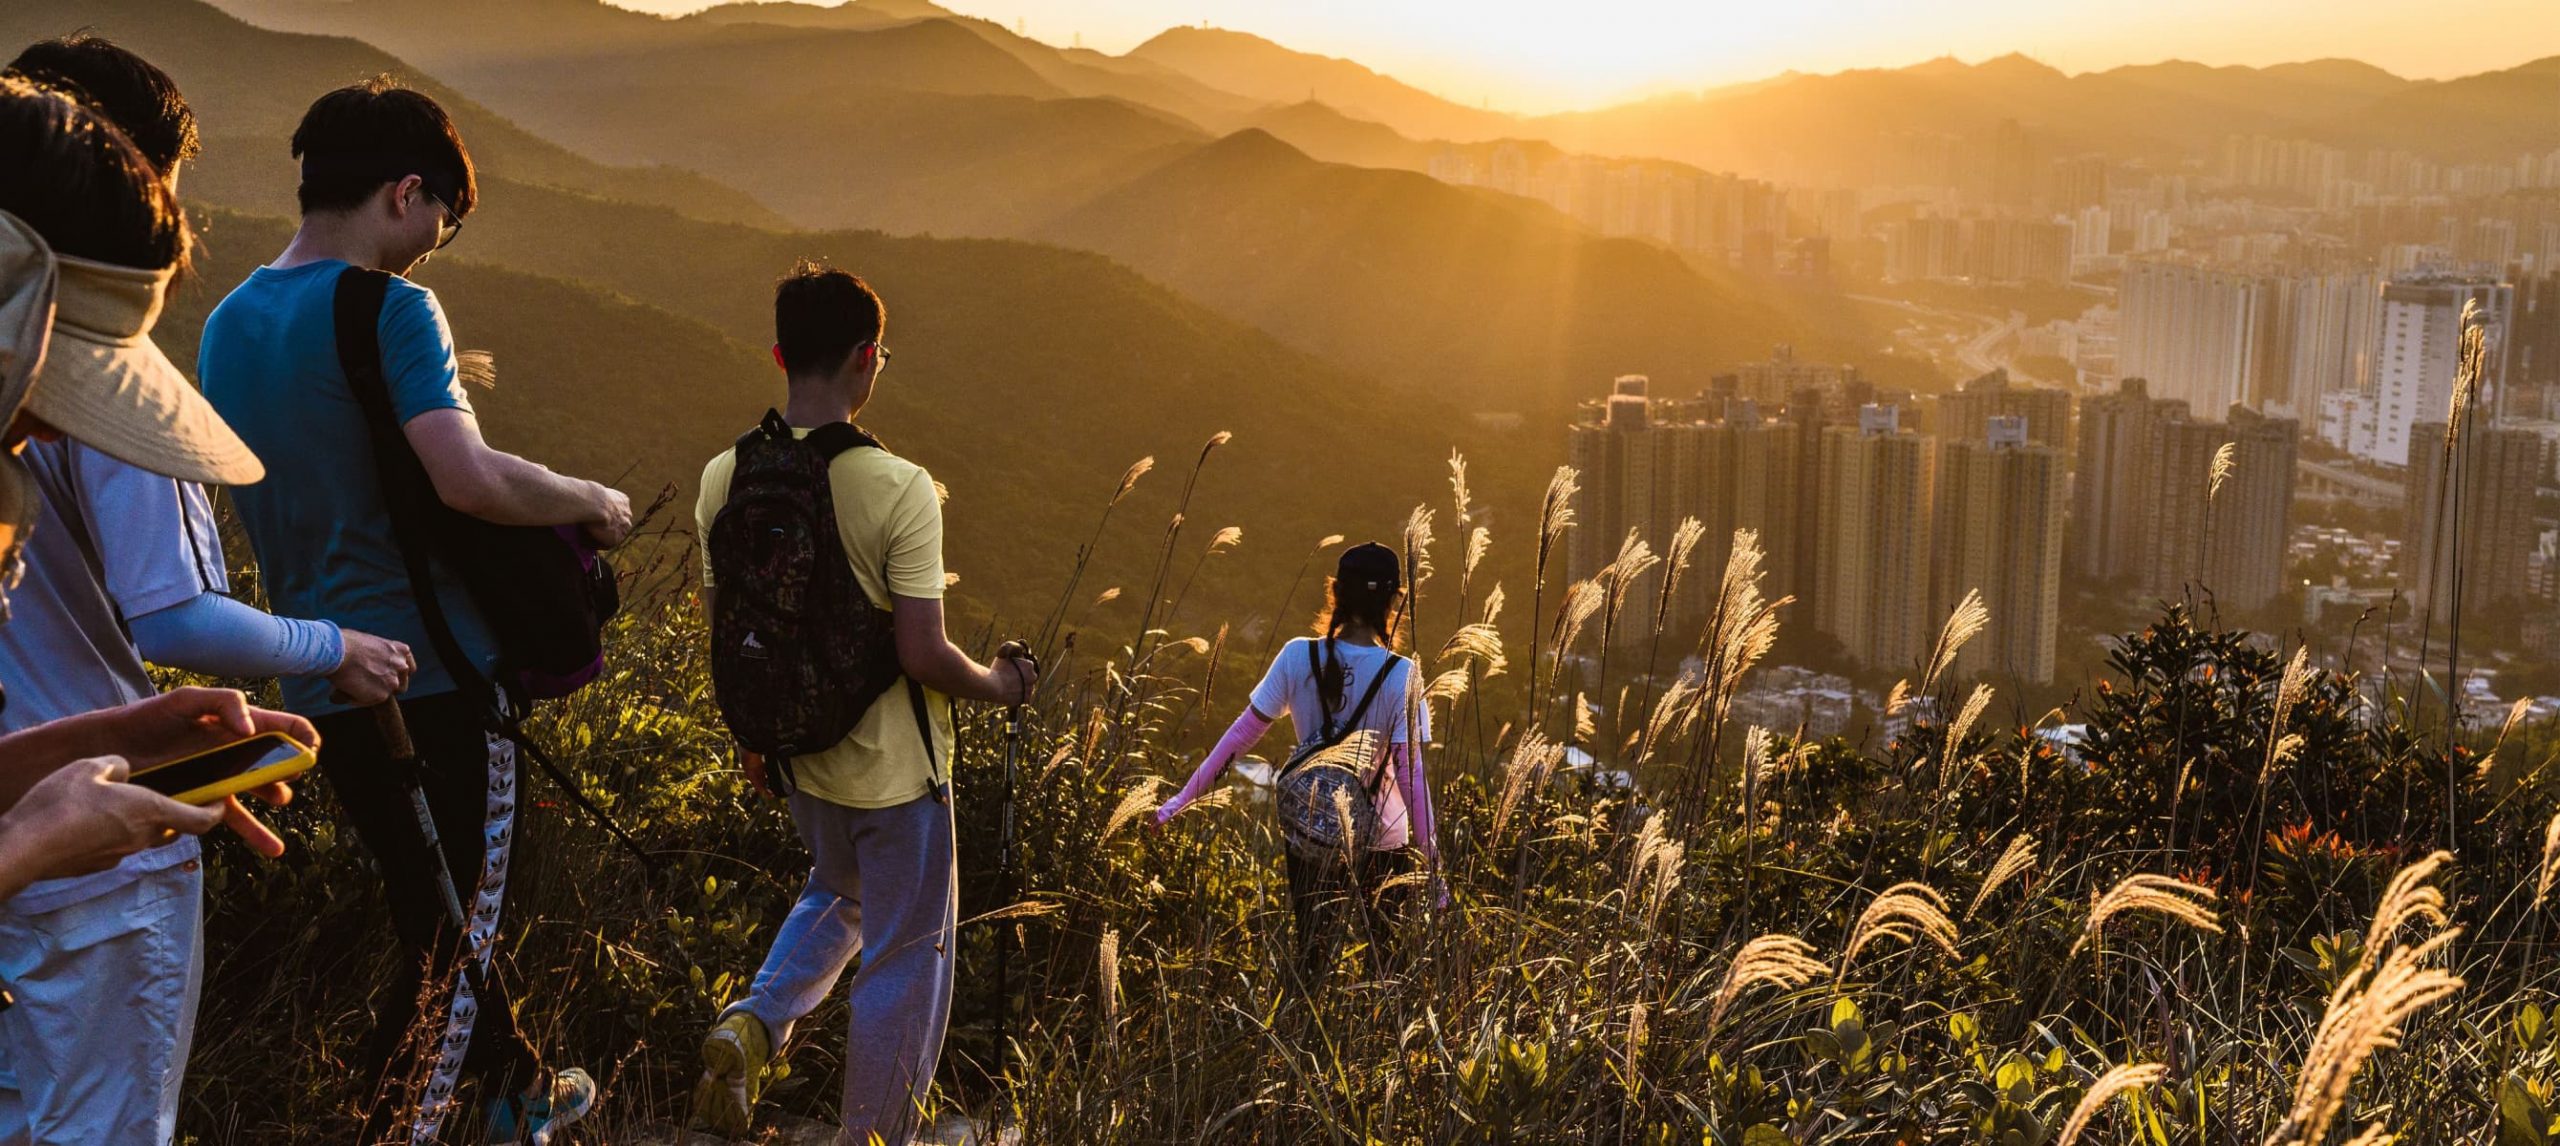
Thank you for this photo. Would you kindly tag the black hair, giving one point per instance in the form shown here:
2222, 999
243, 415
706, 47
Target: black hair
359, 137
821, 315
67, 172
1379, 608
132, 93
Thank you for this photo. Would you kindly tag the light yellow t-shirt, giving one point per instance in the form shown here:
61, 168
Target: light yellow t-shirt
890, 521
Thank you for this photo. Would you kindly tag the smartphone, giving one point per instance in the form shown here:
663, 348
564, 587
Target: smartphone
207, 777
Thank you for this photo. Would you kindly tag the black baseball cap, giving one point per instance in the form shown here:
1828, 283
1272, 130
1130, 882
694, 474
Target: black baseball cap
1371, 565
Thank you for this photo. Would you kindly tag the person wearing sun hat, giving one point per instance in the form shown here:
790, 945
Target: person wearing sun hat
1347, 685
94, 1050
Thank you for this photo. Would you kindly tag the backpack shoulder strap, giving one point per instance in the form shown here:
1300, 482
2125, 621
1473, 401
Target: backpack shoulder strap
836, 437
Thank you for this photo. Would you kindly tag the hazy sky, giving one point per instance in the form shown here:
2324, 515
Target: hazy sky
1539, 55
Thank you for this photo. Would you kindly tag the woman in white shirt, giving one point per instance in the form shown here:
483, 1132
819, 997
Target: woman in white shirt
1349, 675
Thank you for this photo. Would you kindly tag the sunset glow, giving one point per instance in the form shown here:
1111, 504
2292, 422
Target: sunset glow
1537, 56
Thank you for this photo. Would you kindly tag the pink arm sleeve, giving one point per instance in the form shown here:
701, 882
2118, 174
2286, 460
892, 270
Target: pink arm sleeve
1242, 735
1417, 798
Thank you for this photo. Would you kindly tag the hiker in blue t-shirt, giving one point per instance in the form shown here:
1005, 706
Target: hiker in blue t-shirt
386, 181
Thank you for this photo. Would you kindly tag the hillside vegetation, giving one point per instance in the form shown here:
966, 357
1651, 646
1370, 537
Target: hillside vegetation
2219, 915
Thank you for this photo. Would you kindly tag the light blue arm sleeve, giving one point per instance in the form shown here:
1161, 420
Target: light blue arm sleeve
213, 634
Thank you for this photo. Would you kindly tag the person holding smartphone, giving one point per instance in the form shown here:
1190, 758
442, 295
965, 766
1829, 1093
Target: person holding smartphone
90, 238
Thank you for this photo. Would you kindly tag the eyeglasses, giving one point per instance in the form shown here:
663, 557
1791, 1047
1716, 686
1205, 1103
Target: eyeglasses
448, 224
881, 349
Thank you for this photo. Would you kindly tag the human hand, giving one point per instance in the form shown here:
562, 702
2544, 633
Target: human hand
1017, 676
82, 818
246, 825
752, 763
612, 523
374, 669
185, 721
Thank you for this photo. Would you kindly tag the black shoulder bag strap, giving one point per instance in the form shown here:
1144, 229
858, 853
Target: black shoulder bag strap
830, 440
1334, 735
405, 485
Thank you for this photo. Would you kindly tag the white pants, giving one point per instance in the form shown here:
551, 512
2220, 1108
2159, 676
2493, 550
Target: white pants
96, 1047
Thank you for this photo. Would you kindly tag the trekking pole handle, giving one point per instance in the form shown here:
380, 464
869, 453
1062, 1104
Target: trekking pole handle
1016, 650
394, 727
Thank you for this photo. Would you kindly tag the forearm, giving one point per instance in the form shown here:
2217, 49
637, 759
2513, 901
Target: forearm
939, 665
218, 636
1417, 799
1239, 739
513, 491
31, 754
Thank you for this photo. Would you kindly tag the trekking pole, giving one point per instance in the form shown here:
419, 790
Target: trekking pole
394, 727
1010, 650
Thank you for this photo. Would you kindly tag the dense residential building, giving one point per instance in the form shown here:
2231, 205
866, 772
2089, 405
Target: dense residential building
1993, 249
2111, 488
2199, 334
1778, 380
2417, 350
2471, 515
2327, 332
1965, 411
1871, 572
2251, 520
1998, 530
2144, 510
1648, 464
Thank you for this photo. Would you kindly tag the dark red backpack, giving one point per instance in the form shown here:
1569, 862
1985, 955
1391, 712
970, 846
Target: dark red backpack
798, 651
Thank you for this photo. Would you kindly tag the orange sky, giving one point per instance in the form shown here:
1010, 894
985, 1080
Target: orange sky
1542, 55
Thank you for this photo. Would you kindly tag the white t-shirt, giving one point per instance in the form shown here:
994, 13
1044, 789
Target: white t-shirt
1289, 689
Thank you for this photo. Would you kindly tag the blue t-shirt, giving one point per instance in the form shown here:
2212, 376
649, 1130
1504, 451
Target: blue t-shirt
269, 363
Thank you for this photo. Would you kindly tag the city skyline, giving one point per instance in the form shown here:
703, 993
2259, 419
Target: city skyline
1523, 57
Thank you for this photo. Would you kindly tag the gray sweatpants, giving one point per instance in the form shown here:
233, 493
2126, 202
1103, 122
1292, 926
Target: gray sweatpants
883, 884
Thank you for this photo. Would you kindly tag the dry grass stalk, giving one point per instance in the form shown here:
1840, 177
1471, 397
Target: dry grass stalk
1139, 799
2515, 716
1683, 548
2550, 860
1555, 514
2019, 859
1675, 712
1417, 548
1448, 687
1896, 699
1109, 973
2118, 1080
1635, 1033
1479, 543
1532, 761
1781, 961
1129, 480
1968, 620
1581, 602
2158, 894
1905, 913
1961, 728
2225, 458
1635, 559
1227, 538
1459, 495
1107, 596
2407, 898
476, 368
1493, 603
2289, 692
2371, 1004
2373, 1135
1479, 642
1585, 725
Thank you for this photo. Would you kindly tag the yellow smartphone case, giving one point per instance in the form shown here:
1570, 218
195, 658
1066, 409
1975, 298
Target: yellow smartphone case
242, 782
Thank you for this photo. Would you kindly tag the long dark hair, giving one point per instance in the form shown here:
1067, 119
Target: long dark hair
81, 184
1380, 608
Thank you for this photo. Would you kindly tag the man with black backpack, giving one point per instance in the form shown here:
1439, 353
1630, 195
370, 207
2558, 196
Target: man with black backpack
343, 373
824, 579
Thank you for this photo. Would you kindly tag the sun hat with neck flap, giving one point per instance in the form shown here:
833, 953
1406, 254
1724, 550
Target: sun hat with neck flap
100, 380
